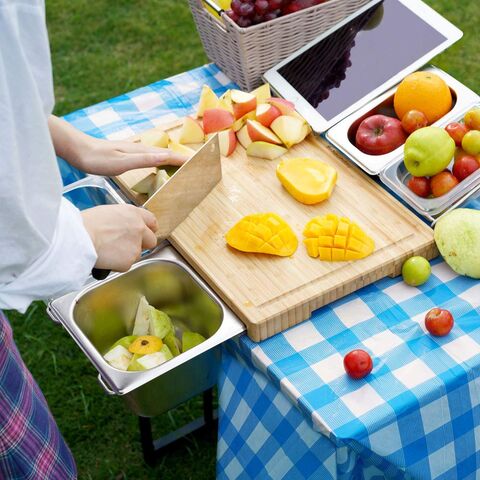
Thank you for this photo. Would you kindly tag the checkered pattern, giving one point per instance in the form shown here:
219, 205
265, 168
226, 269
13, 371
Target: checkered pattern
287, 408
31, 446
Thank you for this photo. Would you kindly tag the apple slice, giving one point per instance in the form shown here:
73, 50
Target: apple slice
225, 101
228, 142
161, 178
243, 137
266, 114
181, 149
290, 130
216, 119
145, 184
265, 150
191, 132
154, 138
262, 93
243, 120
208, 99
259, 133
285, 106
243, 102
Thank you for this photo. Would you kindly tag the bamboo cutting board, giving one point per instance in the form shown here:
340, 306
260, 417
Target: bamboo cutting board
271, 294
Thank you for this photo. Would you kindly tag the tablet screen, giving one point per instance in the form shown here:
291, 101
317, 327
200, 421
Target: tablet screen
360, 56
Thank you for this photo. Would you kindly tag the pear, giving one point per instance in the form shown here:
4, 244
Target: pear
190, 340
160, 323
142, 318
171, 342
145, 362
118, 357
124, 341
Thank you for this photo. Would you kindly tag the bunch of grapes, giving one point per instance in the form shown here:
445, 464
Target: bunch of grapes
250, 12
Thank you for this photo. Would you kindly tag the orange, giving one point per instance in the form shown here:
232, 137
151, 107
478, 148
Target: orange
423, 91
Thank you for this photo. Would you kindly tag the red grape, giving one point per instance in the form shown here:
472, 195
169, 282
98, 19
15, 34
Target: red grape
261, 7
232, 15
247, 10
244, 22
274, 4
235, 6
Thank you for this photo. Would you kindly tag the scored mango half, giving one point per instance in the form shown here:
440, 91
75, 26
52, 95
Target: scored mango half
336, 239
307, 180
263, 233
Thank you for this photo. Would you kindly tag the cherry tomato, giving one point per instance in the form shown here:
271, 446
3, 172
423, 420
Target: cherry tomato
358, 363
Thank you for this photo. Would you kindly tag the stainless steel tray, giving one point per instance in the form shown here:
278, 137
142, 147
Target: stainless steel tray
342, 134
395, 176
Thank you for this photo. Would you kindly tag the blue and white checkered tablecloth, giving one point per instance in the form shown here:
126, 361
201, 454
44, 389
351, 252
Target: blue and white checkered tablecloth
287, 409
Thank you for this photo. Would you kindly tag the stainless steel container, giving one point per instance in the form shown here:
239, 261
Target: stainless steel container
103, 311
342, 135
396, 176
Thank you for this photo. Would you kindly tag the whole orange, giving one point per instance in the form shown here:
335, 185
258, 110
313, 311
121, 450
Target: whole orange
423, 91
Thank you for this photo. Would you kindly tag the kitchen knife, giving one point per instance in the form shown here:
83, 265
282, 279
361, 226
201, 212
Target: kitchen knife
187, 187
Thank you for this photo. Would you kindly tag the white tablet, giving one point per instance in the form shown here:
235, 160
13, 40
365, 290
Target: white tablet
359, 58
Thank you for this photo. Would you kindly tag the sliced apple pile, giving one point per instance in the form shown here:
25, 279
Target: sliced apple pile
264, 125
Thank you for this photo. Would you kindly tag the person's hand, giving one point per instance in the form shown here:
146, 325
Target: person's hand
104, 157
119, 234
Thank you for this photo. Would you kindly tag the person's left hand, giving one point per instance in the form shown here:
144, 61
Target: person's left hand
104, 157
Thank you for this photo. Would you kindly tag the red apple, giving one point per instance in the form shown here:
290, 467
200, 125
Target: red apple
442, 183
439, 322
265, 150
413, 120
259, 133
419, 186
358, 363
243, 102
285, 106
243, 137
379, 134
266, 114
465, 166
457, 131
227, 141
216, 119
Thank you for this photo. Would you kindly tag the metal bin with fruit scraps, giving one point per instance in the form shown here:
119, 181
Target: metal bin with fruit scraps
154, 332
345, 83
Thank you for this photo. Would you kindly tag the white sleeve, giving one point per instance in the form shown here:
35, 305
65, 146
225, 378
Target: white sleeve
62, 268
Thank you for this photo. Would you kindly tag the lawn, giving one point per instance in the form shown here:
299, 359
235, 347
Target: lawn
99, 50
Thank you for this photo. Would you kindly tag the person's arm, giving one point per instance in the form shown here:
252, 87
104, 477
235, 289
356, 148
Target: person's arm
104, 157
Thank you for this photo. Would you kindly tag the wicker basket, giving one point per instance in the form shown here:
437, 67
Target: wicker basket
245, 54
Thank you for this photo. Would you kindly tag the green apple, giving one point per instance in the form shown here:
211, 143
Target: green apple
471, 142
190, 340
428, 151
457, 235
142, 318
160, 323
118, 357
416, 271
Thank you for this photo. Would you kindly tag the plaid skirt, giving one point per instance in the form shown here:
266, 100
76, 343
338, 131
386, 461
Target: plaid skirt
31, 446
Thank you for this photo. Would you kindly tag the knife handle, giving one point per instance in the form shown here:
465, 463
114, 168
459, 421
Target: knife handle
100, 273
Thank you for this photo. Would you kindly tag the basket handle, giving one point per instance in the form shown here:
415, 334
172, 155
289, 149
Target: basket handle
214, 7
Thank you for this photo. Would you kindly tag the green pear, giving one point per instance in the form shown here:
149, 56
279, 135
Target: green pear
118, 357
457, 235
145, 362
190, 340
125, 342
428, 151
160, 323
171, 342
142, 318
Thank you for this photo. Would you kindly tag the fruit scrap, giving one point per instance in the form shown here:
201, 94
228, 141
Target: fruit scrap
334, 238
263, 233
307, 180
146, 344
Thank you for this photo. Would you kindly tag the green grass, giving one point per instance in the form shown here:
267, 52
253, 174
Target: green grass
101, 49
